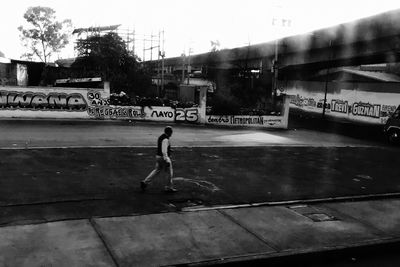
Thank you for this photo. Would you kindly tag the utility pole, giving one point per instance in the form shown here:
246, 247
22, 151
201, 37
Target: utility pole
133, 41
275, 70
189, 67
162, 63
144, 48
327, 78
151, 46
152, 64
158, 66
277, 21
127, 39
183, 67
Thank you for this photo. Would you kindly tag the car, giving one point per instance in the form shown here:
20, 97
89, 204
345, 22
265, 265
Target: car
392, 127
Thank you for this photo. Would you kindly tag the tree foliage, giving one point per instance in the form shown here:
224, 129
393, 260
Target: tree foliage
44, 35
107, 55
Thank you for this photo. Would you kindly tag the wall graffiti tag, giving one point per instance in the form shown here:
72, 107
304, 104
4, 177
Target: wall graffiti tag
186, 115
245, 120
388, 110
100, 108
162, 114
366, 110
103, 112
41, 101
158, 113
353, 105
320, 104
223, 119
95, 99
301, 101
340, 106
253, 120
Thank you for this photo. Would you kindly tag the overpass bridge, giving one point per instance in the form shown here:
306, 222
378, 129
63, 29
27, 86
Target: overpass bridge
371, 40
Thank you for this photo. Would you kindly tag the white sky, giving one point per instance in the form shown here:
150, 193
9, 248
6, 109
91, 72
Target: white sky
189, 23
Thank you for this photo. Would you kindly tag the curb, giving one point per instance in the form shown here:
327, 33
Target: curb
283, 258
299, 201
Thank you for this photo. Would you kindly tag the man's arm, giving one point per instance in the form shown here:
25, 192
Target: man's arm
164, 150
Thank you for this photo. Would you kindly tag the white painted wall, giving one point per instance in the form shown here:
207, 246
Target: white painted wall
351, 104
280, 121
48, 102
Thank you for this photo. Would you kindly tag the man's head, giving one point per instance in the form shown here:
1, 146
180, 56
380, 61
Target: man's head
168, 131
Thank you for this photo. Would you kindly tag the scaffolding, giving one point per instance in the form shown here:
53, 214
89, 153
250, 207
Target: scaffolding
127, 35
151, 43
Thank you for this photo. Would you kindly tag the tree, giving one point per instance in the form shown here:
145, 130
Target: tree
107, 56
44, 35
215, 45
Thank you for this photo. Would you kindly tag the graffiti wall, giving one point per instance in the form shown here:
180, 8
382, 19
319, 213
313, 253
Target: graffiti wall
191, 115
148, 113
162, 114
99, 108
82, 103
47, 102
352, 104
252, 121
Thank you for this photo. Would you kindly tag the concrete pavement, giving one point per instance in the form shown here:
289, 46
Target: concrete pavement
22, 134
202, 236
55, 187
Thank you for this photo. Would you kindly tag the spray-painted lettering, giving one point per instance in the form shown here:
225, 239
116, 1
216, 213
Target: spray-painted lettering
187, 115
301, 101
247, 120
162, 114
366, 110
339, 106
95, 99
115, 113
41, 101
218, 119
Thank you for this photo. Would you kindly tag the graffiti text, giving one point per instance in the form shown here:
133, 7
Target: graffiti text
188, 115
339, 106
111, 112
41, 101
366, 110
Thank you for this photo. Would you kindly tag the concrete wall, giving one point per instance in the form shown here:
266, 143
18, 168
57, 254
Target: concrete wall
50, 102
154, 113
84, 103
3, 73
358, 102
272, 121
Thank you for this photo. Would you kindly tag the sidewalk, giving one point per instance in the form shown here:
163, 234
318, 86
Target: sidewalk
363, 131
202, 236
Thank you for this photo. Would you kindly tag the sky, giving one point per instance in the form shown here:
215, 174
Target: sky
191, 25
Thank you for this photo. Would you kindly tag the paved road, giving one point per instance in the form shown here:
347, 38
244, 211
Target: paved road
62, 170
31, 134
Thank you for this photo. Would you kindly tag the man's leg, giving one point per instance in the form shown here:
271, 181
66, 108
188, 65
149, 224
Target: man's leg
152, 174
169, 173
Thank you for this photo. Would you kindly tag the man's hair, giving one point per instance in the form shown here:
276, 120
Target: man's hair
168, 130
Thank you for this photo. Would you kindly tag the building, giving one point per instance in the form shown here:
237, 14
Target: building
20, 73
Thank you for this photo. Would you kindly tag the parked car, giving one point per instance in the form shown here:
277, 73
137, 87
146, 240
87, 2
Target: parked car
392, 127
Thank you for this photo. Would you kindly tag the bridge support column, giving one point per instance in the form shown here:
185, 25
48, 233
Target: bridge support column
202, 104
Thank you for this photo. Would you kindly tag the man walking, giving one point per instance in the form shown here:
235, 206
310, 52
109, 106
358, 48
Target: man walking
163, 161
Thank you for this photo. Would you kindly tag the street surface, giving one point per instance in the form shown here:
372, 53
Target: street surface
56, 134
66, 171
52, 170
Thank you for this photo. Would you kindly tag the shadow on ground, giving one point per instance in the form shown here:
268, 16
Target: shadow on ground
51, 184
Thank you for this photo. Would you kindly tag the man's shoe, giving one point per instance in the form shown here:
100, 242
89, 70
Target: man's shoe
143, 185
170, 189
